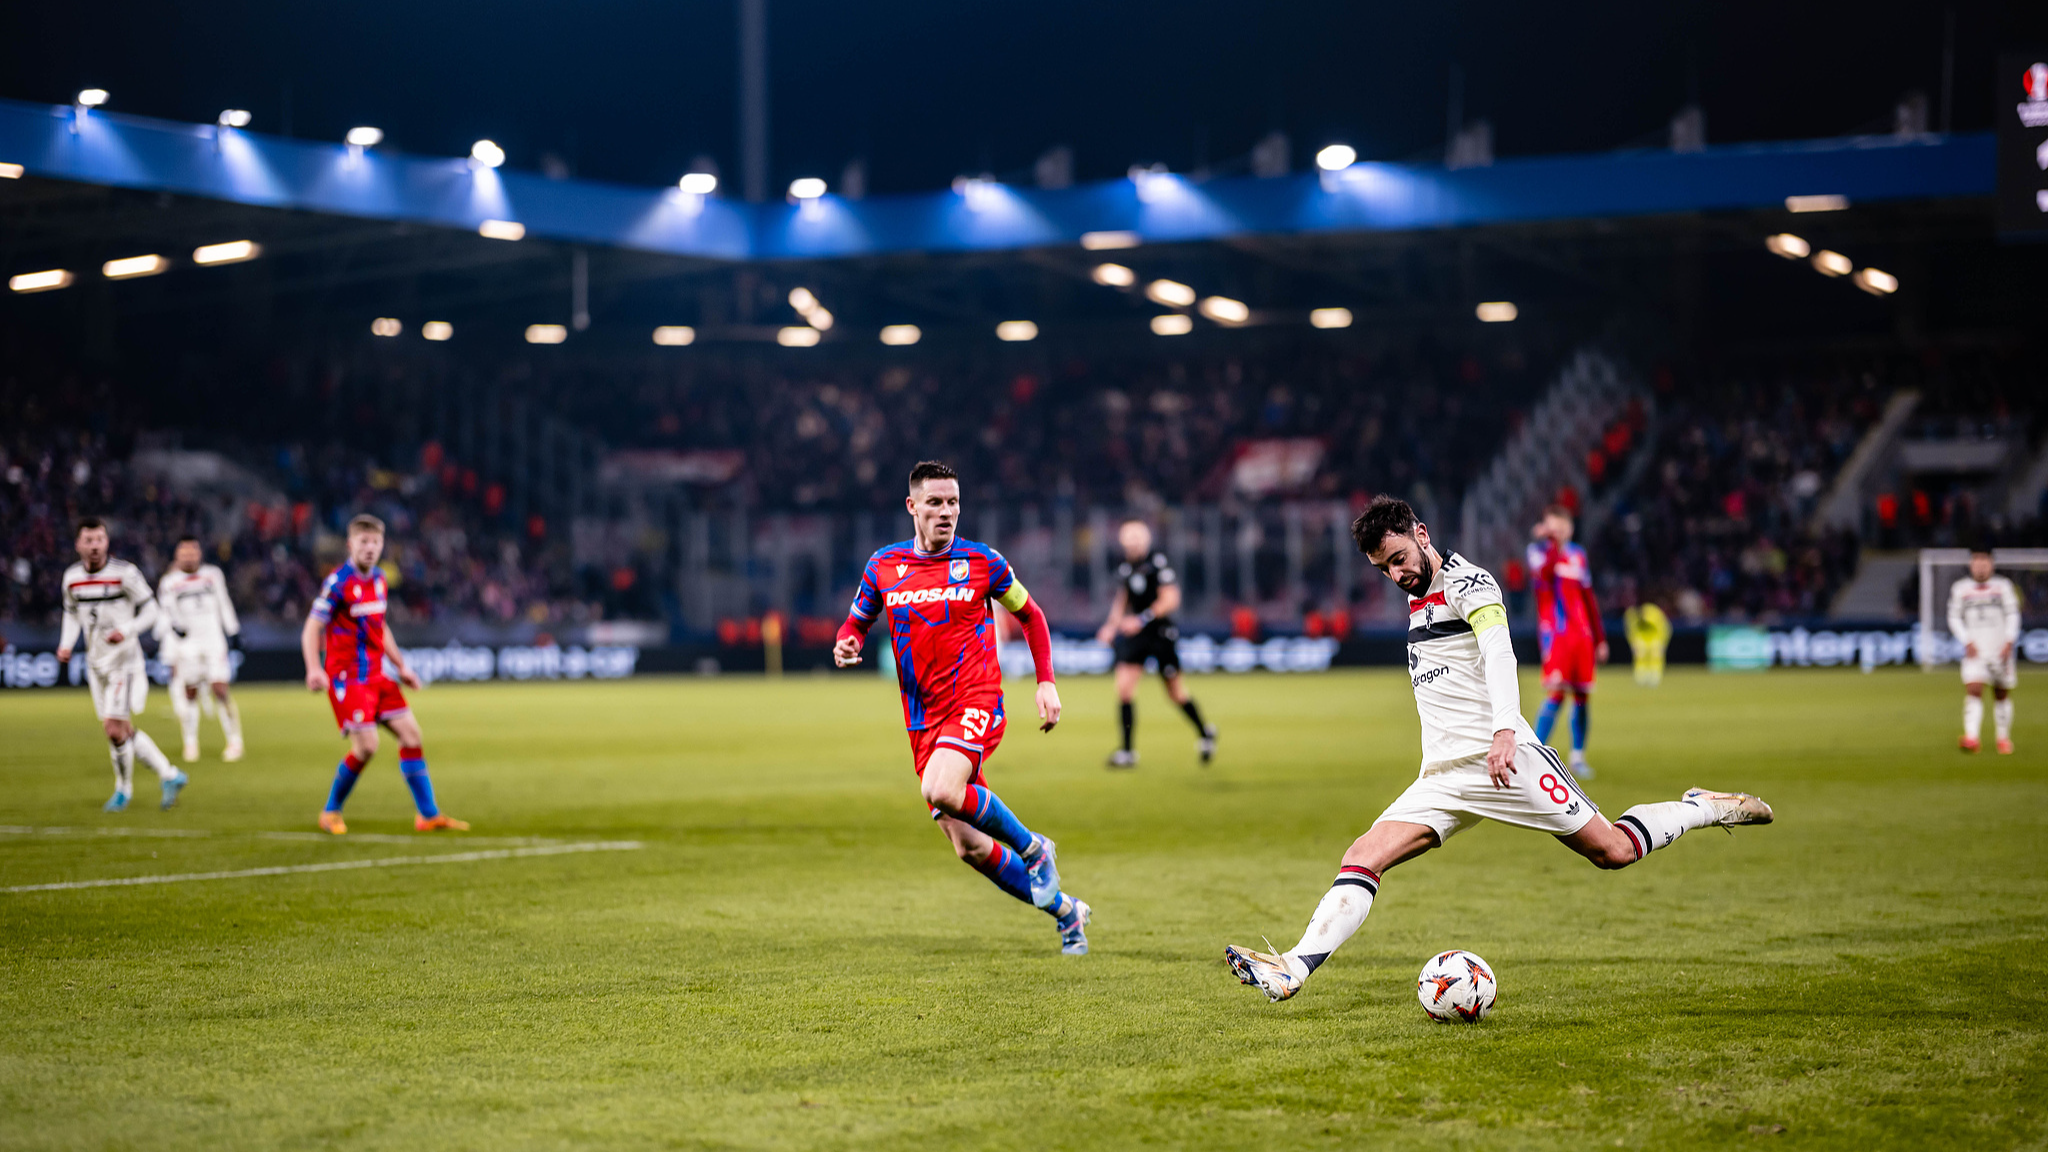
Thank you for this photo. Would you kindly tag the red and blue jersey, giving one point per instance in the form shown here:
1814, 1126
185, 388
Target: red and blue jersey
351, 605
940, 624
1564, 591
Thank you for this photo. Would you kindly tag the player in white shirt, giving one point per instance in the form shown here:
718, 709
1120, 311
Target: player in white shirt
195, 626
1480, 759
107, 602
1984, 613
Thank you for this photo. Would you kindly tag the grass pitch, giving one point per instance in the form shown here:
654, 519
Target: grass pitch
793, 958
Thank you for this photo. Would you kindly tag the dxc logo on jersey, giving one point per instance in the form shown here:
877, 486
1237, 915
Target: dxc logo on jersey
927, 596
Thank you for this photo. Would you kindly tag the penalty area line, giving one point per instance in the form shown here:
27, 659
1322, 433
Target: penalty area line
340, 866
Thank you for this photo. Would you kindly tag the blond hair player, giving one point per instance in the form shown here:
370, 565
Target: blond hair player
1984, 613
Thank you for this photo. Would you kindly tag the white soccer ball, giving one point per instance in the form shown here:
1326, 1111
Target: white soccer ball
1456, 987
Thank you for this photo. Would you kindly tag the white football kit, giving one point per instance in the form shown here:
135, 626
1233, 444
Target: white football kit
1987, 615
1462, 667
195, 622
98, 604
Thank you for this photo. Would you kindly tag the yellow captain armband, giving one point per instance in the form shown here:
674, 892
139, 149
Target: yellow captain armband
1015, 597
1487, 616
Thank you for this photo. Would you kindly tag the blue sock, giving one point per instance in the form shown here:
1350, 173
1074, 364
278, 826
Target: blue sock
1546, 719
986, 811
1580, 720
413, 763
1005, 869
345, 777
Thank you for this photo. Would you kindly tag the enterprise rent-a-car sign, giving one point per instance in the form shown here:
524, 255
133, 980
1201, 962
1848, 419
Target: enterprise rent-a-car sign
22, 669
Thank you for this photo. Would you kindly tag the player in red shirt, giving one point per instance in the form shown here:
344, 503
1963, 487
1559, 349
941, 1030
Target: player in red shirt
1568, 624
348, 616
936, 589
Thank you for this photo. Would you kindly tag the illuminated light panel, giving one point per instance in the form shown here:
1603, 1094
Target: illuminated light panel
1105, 241
132, 267
1336, 157
1224, 310
1829, 203
901, 335
798, 336
231, 252
806, 188
437, 330
1330, 318
802, 300
1171, 293
1497, 312
1875, 282
235, 118
698, 183
487, 153
365, 137
1172, 324
1829, 263
93, 97
675, 335
1114, 275
1789, 246
40, 281
546, 333
1016, 331
11, 171
385, 326
819, 319
502, 230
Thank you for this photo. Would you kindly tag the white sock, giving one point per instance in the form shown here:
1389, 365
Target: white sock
1653, 826
1342, 912
153, 756
231, 720
1973, 716
2001, 717
187, 711
124, 768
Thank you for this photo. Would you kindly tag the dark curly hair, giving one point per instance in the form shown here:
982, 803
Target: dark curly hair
1385, 516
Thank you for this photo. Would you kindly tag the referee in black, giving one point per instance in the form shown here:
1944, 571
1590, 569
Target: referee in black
1141, 626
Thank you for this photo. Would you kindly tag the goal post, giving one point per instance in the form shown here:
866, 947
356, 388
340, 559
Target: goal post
1941, 567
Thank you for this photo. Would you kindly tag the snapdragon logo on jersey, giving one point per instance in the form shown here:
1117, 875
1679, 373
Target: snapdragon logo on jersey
928, 595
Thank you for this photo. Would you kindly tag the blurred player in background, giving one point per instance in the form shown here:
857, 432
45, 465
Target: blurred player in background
107, 602
936, 589
1141, 626
1649, 636
1480, 761
1568, 624
1984, 613
195, 627
348, 616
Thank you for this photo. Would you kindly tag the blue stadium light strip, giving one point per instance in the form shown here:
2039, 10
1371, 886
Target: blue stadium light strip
230, 164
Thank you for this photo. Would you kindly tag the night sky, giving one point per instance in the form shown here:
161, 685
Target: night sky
925, 91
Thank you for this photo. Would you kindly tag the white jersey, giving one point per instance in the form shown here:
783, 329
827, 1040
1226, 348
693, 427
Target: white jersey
1986, 614
1458, 710
196, 604
97, 604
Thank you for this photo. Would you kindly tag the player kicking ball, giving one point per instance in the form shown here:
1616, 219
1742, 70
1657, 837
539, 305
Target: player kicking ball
348, 620
936, 589
1480, 760
1984, 613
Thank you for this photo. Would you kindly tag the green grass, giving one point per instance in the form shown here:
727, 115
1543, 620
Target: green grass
795, 960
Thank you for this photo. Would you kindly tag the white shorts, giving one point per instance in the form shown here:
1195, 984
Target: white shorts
196, 665
120, 693
1541, 795
1997, 673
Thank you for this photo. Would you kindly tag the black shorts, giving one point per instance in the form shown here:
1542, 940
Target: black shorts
1158, 640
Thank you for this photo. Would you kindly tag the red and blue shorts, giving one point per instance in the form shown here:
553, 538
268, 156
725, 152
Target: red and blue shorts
1568, 660
364, 703
973, 730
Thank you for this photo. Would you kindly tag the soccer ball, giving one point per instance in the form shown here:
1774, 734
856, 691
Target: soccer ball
1456, 987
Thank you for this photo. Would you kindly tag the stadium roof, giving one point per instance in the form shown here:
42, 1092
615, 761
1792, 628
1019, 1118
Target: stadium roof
68, 143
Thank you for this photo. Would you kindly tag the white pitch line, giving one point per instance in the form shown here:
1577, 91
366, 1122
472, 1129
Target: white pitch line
339, 866
387, 838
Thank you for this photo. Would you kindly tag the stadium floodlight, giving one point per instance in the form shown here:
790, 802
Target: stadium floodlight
11, 171
803, 300
1875, 282
92, 97
1336, 157
235, 118
698, 183
437, 330
502, 230
48, 281
1330, 317
1224, 310
1114, 275
231, 252
486, 153
806, 188
819, 319
1497, 312
386, 326
675, 335
1829, 263
131, 267
1171, 293
1789, 246
1829, 203
365, 137
1104, 241
901, 335
1016, 331
798, 336
546, 333
1173, 324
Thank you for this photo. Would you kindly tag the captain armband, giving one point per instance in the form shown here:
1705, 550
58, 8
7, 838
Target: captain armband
1014, 598
1487, 616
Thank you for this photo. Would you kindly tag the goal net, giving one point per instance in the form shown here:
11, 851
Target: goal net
1940, 568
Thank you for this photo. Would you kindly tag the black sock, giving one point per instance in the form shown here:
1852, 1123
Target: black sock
1129, 715
1195, 716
